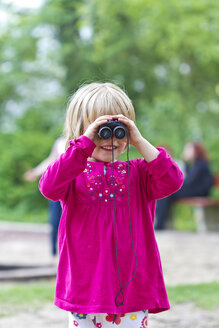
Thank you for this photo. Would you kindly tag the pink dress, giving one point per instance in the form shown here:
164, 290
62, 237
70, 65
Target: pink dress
87, 277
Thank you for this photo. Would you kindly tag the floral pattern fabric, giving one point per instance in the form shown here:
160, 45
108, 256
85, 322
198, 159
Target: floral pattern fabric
102, 187
106, 320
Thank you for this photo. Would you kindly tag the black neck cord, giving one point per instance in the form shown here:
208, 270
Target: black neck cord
114, 207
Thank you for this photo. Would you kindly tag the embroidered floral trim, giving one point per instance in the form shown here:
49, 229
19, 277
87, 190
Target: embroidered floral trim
101, 187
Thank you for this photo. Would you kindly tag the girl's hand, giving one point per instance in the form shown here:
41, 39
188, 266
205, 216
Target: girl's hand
148, 151
134, 134
92, 130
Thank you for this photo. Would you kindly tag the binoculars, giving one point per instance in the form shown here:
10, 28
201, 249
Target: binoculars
112, 128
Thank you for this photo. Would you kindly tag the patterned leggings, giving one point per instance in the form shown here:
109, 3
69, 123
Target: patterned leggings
107, 320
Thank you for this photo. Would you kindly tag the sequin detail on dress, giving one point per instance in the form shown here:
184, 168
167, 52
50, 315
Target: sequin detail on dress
100, 186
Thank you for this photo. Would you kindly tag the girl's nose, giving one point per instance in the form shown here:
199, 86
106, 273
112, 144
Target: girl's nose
115, 140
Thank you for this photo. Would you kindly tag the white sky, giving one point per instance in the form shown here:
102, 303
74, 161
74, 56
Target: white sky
24, 3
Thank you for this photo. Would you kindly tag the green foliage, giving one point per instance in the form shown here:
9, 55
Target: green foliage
165, 54
214, 153
19, 153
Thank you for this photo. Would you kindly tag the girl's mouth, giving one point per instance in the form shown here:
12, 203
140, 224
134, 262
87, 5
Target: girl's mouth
109, 148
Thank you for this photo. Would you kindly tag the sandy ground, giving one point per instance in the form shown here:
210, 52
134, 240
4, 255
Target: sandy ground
186, 258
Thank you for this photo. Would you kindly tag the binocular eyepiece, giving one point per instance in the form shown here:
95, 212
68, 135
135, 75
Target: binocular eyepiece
112, 128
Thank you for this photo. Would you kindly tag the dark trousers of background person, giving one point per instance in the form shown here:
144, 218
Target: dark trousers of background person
55, 212
164, 205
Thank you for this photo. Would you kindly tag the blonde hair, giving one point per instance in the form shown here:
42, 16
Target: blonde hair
91, 101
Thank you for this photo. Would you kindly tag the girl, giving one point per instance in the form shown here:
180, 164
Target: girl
109, 269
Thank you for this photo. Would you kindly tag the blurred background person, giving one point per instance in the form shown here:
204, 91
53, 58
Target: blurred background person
197, 183
55, 210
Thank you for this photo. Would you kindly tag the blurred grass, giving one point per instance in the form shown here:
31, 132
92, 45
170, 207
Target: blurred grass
34, 295
205, 296
183, 218
20, 214
25, 296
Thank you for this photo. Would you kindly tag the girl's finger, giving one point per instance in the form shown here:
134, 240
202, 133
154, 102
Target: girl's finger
98, 123
106, 117
118, 115
125, 120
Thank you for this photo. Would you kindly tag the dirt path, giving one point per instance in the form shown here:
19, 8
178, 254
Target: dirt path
189, 257
186, 258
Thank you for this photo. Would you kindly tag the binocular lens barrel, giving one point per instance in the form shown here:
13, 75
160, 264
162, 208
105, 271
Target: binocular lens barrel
119, 132
105, 132
116, 128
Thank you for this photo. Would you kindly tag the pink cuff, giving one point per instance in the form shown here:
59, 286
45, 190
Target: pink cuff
84, 144
161, 164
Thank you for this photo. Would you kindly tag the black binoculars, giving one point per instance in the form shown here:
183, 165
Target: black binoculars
116, 128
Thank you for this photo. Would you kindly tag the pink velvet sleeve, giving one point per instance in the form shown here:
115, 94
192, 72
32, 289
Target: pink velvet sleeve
161, 177
56, 179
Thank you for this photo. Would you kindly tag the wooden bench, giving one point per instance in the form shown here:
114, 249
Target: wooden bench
206, 210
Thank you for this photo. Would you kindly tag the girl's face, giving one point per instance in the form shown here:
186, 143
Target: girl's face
103, 150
